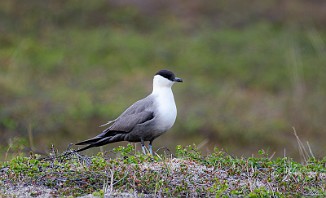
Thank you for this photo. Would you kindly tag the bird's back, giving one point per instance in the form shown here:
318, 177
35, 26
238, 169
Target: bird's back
146, 119
138, 121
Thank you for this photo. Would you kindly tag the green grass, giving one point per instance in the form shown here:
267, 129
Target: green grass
242, 86
185, 173
251, 71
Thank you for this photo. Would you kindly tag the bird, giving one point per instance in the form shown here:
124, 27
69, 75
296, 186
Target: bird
145, 120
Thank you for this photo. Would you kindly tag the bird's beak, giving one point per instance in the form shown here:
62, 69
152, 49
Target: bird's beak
176, 79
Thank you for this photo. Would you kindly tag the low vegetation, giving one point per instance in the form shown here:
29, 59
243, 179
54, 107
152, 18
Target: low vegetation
251, 72
126, 172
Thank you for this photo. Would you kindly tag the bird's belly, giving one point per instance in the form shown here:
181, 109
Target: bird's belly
166, 118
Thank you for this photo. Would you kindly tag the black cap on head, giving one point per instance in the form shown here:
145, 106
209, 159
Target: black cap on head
168, 75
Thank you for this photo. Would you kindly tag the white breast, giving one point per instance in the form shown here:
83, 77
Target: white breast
166, 109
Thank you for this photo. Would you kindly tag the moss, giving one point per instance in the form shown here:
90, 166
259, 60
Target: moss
188, 173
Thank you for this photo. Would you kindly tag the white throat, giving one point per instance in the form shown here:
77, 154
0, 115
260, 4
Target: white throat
159, 83
164, 99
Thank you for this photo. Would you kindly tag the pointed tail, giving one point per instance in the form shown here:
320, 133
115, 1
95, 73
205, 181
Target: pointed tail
97, 141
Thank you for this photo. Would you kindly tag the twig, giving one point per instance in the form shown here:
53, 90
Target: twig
302, 150
111, 185
310, 151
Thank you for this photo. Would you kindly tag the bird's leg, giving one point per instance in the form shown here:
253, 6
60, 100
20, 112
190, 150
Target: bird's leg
150, 147
143, 146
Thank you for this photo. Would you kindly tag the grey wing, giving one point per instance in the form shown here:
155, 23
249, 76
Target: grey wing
120, 127
140, 112
128, 122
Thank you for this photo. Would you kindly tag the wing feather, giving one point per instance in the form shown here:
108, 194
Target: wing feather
138, 113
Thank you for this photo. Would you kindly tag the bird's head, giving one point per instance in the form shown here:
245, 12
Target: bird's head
165, 78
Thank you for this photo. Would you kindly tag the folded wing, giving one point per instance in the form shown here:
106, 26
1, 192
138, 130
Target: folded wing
138, 113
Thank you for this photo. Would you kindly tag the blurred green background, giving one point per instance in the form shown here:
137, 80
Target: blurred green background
252, 70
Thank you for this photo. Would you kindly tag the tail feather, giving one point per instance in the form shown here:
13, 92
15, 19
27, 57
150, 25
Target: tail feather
89, 141
103, 135
85, 148
96, 142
